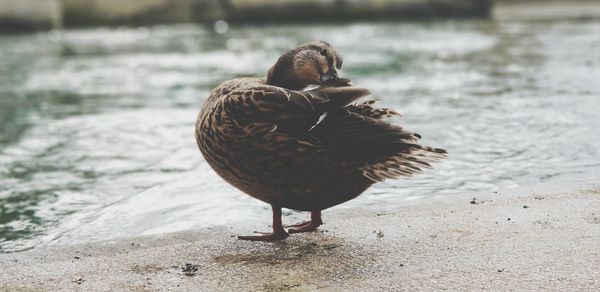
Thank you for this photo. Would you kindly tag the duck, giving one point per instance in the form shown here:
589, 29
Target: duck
301, 138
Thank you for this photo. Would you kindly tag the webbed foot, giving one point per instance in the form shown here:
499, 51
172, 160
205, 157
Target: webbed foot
307, 226
278, 231
265, 236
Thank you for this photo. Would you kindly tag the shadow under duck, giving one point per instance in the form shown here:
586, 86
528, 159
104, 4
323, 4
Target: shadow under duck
306, 150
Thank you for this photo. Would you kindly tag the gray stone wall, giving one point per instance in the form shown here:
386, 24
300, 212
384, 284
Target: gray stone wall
17, 15
74, 13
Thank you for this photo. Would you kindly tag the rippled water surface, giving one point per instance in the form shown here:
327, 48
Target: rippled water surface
96, 126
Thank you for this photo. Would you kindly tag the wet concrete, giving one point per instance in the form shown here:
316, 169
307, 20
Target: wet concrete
532, 238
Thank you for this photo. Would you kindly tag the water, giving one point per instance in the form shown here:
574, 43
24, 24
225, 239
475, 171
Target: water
96, 126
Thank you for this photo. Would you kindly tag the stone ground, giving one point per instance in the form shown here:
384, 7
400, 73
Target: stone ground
541, 238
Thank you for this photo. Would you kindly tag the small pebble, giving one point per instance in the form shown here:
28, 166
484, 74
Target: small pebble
189, 269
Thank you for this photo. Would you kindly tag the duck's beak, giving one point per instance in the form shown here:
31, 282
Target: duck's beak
331, 75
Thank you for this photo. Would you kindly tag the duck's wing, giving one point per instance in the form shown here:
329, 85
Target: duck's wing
325, 120
290, 112
383, 150
359, 133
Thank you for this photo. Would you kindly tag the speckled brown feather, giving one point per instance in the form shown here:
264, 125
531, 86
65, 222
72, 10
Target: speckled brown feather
366, 109
304, 150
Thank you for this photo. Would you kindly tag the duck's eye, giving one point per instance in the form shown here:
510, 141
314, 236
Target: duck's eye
323, 51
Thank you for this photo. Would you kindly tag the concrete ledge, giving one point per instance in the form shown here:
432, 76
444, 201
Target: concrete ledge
137, 12
540, 238
540, 10
26, 14
19, 15
93, 12
262, 11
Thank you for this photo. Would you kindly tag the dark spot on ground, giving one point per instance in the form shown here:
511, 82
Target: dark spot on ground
189, 269
286, 253
279, 287
308, 248
525, 206
329, 246
474, 201
378, 233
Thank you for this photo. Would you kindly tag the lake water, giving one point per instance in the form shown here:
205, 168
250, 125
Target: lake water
97, 125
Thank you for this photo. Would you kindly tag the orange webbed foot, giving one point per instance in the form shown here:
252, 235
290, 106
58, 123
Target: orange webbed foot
307, 226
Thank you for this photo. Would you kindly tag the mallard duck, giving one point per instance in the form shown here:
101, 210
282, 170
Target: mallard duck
308, 149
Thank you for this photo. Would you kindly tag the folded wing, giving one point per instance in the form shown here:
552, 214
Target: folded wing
328, 119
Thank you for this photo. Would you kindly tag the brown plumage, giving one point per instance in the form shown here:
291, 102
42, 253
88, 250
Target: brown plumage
306, 150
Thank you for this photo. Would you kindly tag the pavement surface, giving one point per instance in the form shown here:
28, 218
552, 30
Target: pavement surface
540, 238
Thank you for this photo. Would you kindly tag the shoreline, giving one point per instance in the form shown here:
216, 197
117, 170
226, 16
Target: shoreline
542, 237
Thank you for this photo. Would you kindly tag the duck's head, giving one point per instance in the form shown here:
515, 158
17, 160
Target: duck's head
311, 63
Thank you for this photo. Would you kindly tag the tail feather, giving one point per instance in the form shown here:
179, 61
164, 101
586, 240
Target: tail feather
405, 164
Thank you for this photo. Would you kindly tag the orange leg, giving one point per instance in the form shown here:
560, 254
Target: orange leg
315, 221
278, 231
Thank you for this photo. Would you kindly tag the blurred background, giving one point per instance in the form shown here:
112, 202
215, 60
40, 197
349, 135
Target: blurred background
98, 100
